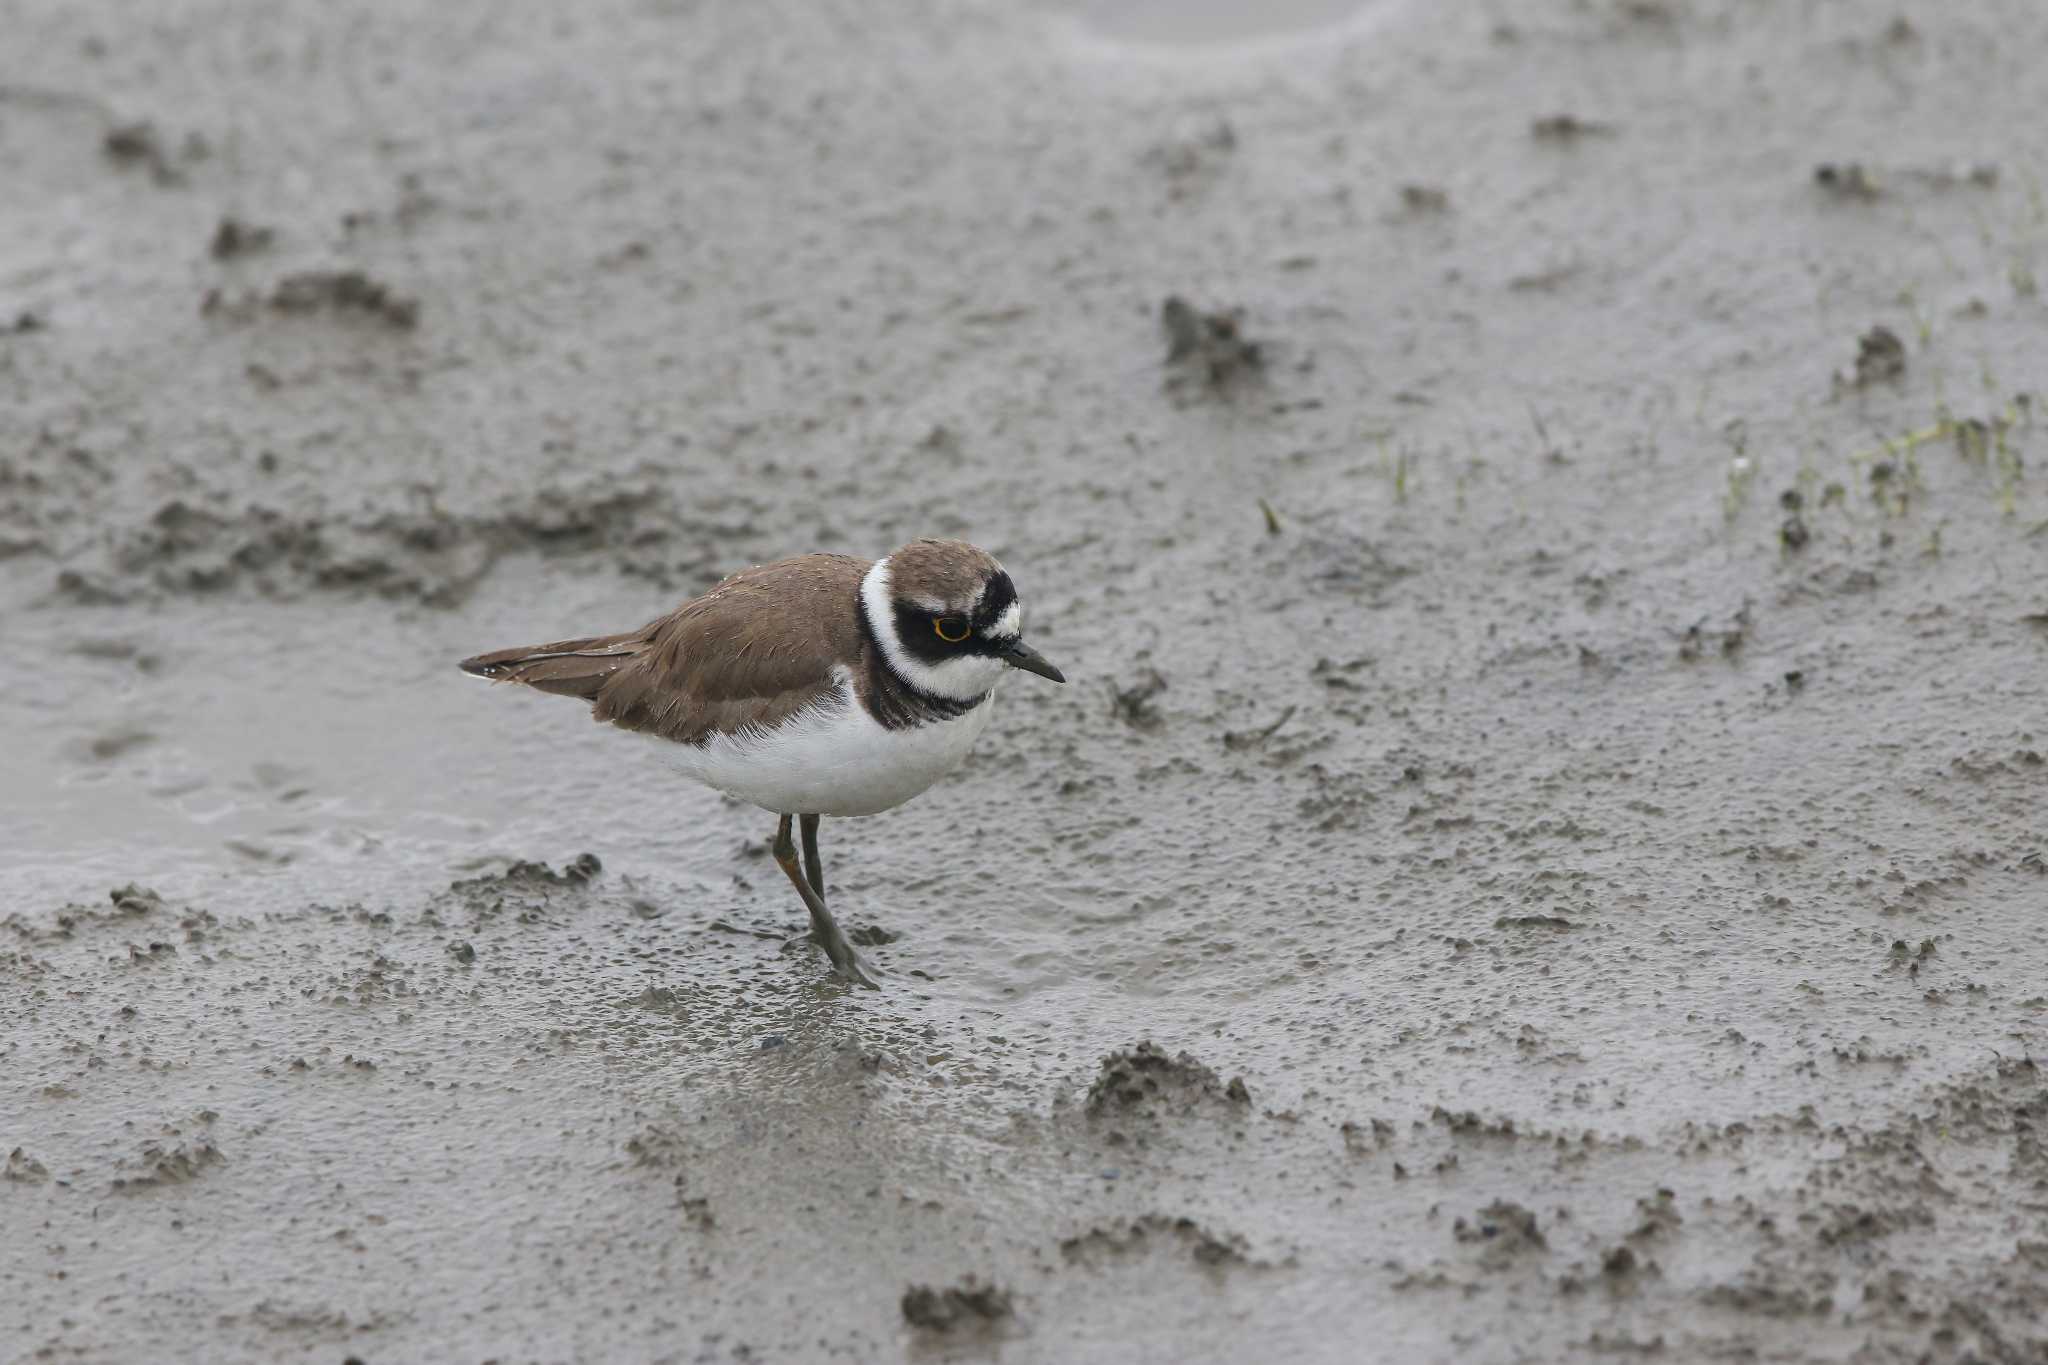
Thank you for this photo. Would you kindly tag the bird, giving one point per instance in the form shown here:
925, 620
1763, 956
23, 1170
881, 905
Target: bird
823, 684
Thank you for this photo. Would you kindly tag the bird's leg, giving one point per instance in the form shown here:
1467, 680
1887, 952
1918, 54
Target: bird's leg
814, 866
823, 927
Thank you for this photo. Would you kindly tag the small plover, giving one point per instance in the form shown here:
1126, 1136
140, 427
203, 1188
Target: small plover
819, 685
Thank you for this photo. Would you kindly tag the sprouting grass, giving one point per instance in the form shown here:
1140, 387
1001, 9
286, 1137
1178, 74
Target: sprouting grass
1984, 443
1906, 479
2024, 283
1807, 478
2007, 461
1923, 326
1551, 451
1474, 464
1741, 474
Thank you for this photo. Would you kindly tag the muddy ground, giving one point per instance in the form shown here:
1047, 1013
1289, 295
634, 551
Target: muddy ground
1558, 621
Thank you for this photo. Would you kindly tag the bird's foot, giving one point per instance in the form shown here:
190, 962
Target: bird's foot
846, 961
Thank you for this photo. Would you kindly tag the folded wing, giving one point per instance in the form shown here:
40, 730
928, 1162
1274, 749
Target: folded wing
568, 668
752, 652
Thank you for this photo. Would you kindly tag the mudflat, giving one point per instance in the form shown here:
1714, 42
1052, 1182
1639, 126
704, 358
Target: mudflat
1542, 853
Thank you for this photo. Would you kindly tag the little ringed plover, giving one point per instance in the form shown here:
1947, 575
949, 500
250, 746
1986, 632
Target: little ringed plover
813, 686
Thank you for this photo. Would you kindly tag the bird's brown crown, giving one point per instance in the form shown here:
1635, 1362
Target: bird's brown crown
943, 574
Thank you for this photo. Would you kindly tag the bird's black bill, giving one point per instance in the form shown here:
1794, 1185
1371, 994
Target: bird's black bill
1017, 654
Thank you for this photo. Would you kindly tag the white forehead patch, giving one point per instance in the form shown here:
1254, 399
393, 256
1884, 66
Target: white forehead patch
1010, 624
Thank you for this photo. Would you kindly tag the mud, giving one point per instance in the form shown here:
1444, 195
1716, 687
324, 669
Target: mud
956, 1307
1208, 351
1614, 882
341, 293
1144, 1080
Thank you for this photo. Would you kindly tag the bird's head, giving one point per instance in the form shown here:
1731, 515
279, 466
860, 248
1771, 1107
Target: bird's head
948, 620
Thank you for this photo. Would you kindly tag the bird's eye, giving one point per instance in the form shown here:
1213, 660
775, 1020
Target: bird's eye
951, 629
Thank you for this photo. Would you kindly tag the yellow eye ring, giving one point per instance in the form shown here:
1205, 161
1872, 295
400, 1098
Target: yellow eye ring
951, 629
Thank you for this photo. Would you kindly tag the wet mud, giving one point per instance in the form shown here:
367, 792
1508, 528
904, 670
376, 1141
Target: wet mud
1544, 855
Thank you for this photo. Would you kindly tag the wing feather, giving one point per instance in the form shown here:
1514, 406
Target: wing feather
753, 651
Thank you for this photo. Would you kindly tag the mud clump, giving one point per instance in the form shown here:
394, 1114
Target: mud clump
344, 290
1846, 1224
1208, 350
138, 144
132, 142
340, 292
1425, 200
169, 1164
1880, 359
1144, 1079
430, 556
1693, 644
969, 1305
23, 1169
1503, 1232
1341, 800
583, 869
1503, 1218
1555, 923
1469, 1123
135, 900
1659, 1217
1360, 1139
235, 238
1763, 1295
1565, 128
130, 903
1134, 704
1141, 1235
1620, 1263
1846, 180
658, 1147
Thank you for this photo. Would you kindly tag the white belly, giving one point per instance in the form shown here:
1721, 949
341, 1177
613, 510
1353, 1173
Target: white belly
832, 759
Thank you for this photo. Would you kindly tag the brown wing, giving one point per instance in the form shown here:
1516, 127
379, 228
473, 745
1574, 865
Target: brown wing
754, 650
569, 668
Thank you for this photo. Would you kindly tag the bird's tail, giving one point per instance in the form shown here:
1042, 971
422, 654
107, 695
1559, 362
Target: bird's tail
568, 668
